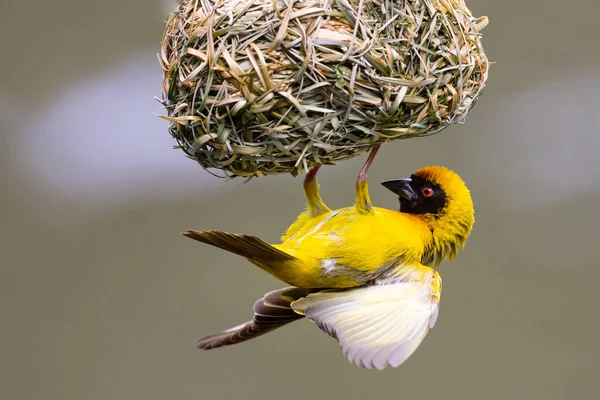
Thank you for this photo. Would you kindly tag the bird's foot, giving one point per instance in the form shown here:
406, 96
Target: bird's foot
316, 205
363, 201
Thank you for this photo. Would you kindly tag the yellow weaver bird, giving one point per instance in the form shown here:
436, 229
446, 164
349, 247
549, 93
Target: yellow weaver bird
365, 275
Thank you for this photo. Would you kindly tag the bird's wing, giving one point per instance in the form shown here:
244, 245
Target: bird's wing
377, 325
272, 311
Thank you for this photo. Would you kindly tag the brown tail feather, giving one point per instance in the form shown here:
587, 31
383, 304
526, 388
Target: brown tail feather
244, 245
270, 312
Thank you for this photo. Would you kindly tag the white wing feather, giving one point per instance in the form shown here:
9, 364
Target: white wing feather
377, 325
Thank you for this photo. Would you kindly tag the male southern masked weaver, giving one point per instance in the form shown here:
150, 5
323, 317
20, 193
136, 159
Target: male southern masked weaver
365, 275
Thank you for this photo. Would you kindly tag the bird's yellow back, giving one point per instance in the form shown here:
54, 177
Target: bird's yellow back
343, 248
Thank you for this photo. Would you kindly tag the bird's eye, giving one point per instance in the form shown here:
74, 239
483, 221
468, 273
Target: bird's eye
427, 192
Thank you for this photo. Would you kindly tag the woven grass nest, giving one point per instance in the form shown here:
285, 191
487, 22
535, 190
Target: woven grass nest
262, 87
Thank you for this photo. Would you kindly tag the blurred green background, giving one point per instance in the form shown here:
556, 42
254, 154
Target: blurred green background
101, 298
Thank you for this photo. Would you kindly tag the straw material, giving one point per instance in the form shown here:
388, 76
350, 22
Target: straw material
261, 87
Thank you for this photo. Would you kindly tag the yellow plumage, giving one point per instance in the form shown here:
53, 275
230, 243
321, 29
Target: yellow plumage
361, 243
346, 262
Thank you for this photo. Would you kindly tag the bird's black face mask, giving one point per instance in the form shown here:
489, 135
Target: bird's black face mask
418, 195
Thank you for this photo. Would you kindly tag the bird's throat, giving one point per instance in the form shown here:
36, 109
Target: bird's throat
448, 236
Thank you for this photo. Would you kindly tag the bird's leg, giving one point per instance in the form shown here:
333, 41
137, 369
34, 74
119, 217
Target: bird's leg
311, 190
363, 201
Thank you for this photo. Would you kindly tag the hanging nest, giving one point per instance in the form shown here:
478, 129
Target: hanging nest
262, 87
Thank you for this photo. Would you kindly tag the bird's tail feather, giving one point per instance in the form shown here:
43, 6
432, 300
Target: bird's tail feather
272, 311
244, 245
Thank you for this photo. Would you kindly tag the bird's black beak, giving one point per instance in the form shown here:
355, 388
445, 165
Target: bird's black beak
401, 187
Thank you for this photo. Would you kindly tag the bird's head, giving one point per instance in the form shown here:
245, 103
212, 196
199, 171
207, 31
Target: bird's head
440, 197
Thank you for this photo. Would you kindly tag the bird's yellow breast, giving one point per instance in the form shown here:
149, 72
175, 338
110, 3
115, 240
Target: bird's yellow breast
340, 247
